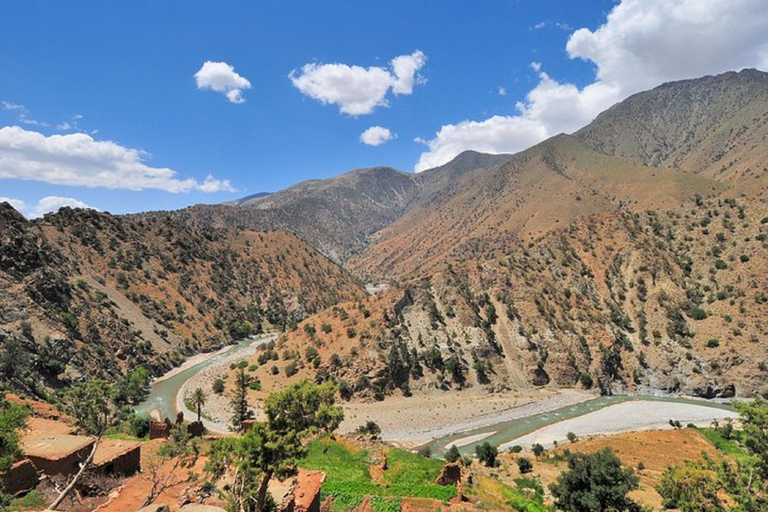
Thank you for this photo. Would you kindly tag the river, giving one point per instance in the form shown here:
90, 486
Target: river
501, 434
164, 390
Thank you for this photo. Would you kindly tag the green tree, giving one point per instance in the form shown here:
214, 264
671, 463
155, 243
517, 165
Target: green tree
13, 418
273, 448
690, 488
452, 455
198, 400
487, 453
595, 483
754, 418
239, 402
524, 464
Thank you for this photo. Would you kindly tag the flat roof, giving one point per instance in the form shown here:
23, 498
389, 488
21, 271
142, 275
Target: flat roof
110, 449
53, 446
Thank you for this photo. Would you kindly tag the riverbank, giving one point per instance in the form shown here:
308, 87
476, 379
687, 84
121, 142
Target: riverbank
216, 407
192, 361
416, 420
631, 416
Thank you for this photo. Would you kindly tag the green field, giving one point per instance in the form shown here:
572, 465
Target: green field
349, 481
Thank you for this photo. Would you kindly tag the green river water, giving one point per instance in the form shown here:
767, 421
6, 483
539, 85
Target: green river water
162, 395
509, 430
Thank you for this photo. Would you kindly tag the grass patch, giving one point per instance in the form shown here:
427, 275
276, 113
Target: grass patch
348, 479
119, 436
502, 497
729, 447
31, 501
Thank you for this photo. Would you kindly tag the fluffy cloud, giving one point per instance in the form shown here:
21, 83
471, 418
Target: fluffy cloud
376, 136
355, 89
642, 44
53, 203
221, 77
78, 159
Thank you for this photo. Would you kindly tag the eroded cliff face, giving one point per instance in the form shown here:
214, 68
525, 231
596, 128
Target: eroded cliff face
88, 294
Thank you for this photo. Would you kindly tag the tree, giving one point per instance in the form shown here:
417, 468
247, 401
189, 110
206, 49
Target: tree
452, 455
198, 400
524, 464
754, 418
487, 453
239, 402
595, 483
218, 385
13, 418
690, 488
538, 450
273, 448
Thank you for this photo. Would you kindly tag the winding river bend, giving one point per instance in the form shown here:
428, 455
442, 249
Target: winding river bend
608, 413
163, 391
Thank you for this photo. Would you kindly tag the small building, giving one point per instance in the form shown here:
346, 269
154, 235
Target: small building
56, 454
116, 457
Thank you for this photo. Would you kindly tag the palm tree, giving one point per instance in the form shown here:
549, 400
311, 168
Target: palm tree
198, 400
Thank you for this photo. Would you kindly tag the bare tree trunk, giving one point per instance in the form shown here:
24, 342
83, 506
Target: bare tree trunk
78, 476
262, 496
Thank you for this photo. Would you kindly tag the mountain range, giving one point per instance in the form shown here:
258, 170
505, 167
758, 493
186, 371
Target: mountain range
630, 254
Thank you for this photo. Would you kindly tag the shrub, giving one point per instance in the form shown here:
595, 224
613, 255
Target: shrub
537, 449
218, 386
486, 453
524, 465
452, 455
516, 449
571, 437
370, 428
585, 380
713, 343
425, 451
597, 479
326, 328
291, 369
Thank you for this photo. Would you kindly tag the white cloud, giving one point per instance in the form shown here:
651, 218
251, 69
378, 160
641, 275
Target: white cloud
642, 44
502, 91
376, 136
355, 89
16, 203
78, 159
221, 77
53, 203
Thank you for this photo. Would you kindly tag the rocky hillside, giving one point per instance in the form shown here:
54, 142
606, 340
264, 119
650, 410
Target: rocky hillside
535, 192
716, 126
672, 300
89, 293
338, 215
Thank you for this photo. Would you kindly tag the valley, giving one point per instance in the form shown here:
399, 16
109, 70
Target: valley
602, 282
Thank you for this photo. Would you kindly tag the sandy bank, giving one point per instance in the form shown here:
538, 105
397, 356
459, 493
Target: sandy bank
416, 420
635, 415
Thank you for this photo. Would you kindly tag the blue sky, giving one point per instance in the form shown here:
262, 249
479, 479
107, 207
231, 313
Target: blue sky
112, 104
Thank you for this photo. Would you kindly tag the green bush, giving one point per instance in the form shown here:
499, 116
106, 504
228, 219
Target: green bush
524, 465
